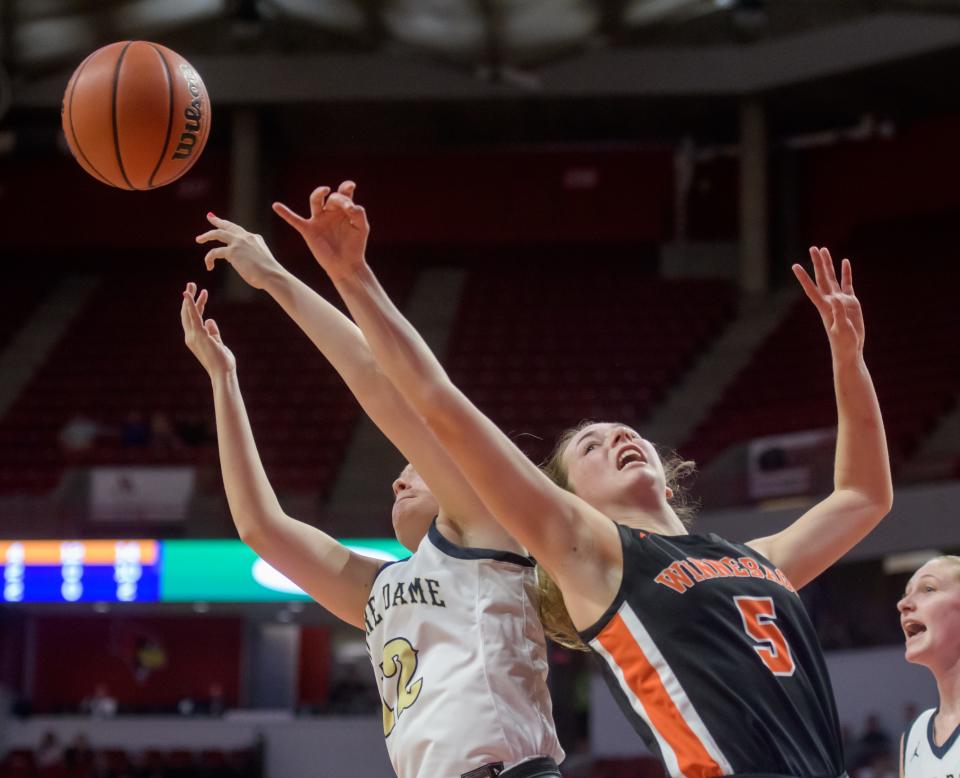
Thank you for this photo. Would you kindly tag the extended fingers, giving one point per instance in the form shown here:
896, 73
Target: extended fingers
211, 327
812, 290
295, 220
184, 314
846, 277
823, 269
219, 234
217, 221
189, 314
817, 262
829, 271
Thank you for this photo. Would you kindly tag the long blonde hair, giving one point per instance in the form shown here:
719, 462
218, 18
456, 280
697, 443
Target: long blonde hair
553, 611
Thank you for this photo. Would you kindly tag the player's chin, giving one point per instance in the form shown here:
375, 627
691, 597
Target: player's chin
638, 470
642, 478
410, 523
916, 652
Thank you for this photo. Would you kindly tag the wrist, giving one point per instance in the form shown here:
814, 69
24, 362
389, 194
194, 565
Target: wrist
849, 361
275, 278
354, 272
223, 377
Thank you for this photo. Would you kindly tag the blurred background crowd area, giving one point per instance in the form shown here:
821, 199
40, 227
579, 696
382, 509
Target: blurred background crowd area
588, 208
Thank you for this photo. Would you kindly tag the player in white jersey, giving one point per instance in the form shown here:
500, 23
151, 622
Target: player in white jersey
453, 631
930, 617
460, 624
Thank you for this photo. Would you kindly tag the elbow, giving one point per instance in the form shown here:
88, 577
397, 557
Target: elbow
881, 498
254, 530
885, 504
873, 505
250, 535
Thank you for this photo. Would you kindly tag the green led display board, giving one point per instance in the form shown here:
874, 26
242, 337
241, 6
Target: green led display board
229, 571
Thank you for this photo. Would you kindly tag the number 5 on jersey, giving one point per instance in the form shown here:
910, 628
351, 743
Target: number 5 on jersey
399, 659
759, 622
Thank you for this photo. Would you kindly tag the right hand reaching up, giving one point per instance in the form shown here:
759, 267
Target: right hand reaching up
336, 231
246, 252
203, 337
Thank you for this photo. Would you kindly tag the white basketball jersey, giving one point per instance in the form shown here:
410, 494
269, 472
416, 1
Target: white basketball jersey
461, 661
923, 758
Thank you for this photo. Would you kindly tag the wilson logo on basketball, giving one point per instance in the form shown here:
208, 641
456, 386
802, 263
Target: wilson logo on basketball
136, 115
193, 113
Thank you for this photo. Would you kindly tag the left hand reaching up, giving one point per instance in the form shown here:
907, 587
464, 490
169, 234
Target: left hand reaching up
837, 304
202, 336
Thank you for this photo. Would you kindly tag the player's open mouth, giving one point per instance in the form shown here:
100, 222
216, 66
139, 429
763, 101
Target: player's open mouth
630, 455
913, 628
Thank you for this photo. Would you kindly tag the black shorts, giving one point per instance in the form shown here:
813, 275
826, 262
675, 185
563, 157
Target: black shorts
541, 767
544, 767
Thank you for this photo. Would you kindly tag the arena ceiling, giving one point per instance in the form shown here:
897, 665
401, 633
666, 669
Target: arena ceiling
838, 57
492, 39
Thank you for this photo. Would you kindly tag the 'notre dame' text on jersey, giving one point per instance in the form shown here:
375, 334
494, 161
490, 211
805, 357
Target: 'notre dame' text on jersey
713, 659
460, 658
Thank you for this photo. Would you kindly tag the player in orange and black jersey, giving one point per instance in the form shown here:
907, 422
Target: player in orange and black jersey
711, 656
705, 643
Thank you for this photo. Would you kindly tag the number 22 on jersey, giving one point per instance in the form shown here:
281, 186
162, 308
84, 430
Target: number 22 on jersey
759, 622
400, 661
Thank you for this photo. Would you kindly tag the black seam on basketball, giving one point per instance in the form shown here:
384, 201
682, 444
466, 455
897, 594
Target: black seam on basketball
202, 142
113, 113
73, 131
166, 140
209, 122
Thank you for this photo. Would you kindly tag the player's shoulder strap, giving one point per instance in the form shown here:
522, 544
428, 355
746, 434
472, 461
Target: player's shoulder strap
912, 737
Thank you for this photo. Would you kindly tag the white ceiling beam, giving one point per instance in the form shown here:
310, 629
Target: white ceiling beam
56, 37
711, 70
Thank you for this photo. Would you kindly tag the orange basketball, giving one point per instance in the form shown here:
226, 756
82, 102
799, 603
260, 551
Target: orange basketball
136, 115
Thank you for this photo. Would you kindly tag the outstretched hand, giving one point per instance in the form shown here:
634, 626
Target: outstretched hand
337, 229
245, 251
837, 304
203, 337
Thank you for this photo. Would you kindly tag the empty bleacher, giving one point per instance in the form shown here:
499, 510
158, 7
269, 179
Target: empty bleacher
124, 354
904, 281
539, 346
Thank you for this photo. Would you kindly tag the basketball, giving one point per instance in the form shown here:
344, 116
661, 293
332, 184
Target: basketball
135, 115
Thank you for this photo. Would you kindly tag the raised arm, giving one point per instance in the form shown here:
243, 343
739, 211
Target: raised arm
862, 487
328, 571
571, 539
342, 343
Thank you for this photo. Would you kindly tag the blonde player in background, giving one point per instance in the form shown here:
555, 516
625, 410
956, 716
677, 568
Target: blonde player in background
453, 632
930, 617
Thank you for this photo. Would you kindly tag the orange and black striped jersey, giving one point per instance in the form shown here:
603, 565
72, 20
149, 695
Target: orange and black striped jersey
712, 657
